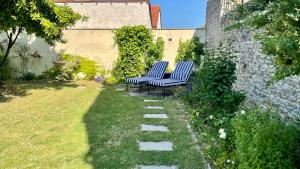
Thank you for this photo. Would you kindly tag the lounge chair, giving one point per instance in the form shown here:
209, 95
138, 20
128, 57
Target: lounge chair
178, 77
155, 73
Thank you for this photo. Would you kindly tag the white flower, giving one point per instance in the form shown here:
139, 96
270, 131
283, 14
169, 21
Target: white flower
221, 130
81, 75
228, 161
223, 136
243, 112
211, 117
222, 133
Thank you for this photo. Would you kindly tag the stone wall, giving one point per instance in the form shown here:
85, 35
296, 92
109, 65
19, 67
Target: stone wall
254, 69
112, 15
98, 45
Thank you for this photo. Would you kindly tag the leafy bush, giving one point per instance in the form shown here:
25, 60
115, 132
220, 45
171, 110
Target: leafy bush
69, 67
28, 76
264, 141
155, 52
190, 50
212, 87
214, 102
280, 21
136, 51
111, 81
6, 72
64, 68
88, 67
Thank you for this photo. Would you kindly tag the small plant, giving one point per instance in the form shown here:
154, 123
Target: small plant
264, 140
63, 68
23, 54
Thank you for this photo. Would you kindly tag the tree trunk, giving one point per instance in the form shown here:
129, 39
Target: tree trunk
11, 42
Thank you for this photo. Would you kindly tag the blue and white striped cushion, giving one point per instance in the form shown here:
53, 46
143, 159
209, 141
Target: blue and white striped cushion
156, 72
158, 69
179, 76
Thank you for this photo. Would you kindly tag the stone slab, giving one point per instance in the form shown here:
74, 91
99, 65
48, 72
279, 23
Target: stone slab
155, 116
156, 146
157, 167
146, 127
154, 107
151, 101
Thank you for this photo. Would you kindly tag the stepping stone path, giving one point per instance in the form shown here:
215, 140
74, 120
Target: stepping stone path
155, 146
145, 127
155, 116
151, 101
154, 107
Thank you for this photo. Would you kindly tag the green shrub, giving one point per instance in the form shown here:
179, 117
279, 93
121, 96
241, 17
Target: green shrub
214, 102
137, 52
155, 52
6, 72
190, 50
212, 87
70, 67
111, 81
88, 67
264, 141
28, 76
64, 68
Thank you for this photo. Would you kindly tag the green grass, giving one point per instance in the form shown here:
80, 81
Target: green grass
86, 125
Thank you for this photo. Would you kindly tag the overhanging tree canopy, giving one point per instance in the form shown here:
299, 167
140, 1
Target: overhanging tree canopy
43, 18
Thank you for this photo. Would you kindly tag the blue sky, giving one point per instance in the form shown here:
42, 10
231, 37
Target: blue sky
182, 13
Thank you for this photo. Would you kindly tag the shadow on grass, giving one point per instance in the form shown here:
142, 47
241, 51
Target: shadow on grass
20, 88
112, 130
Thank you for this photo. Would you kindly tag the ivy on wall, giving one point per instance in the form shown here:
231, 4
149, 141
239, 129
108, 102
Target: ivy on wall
280, 22
137, 51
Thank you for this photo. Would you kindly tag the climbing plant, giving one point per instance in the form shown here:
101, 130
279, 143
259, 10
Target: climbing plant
155, 52
278, 25
190, 50
137, 51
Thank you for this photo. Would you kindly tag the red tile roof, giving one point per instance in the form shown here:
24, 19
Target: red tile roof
154, 14
100, 1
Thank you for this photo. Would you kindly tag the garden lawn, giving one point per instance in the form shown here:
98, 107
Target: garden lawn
86, 125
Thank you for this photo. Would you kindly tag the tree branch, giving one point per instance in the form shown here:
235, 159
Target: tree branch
11, 42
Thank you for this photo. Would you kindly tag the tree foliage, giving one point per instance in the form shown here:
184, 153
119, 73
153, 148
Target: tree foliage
43, 18
137, 51
279, 22
155, 52
190, 50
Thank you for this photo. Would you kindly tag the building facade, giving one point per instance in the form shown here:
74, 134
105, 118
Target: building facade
113, 14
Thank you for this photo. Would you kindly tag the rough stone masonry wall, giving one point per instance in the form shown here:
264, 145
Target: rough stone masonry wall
254, 68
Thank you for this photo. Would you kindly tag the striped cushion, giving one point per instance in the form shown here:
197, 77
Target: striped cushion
156, 72
138, 80
158, 69
179, 76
